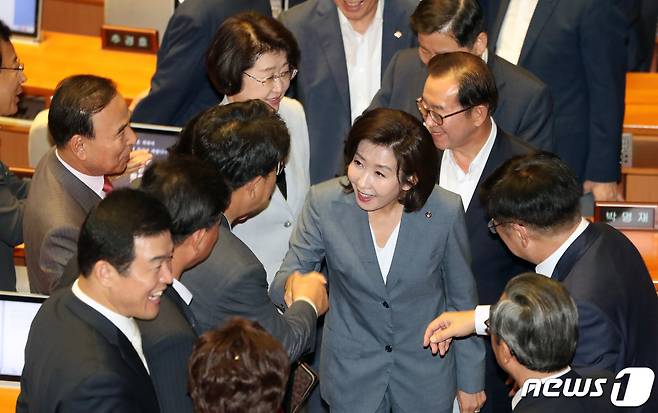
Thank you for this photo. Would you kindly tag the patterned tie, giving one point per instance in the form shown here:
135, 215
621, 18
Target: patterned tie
107, 185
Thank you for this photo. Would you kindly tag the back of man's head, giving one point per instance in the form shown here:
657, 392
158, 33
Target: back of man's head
538, 190
76, 100
192, 190
243, 140
538, 321
476, 82
109, 231
461, 19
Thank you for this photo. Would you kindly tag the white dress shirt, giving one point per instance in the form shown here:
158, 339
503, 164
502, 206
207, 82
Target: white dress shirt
454, 179
517, 396
514, 29
385, 253
95, 183
363, 56
545, 268
183, 292
127, 325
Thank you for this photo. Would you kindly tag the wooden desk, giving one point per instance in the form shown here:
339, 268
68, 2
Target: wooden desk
647, 243
8, 396
60, 55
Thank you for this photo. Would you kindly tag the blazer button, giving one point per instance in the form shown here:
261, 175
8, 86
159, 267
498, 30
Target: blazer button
287, 224
388, 348
385, 304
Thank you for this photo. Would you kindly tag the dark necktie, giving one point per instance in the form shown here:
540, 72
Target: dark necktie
281, 183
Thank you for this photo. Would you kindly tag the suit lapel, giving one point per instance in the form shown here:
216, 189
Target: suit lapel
83, 195
539, 18
330, 41
493, 62
411, 226
183, 307
575, 251
393, 33
494, 31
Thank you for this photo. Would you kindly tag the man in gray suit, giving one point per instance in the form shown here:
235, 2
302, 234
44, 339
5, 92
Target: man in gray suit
247, 143
89, 122
524, 102
338, 73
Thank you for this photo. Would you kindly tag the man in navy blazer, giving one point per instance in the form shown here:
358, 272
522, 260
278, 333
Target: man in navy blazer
322, 84
471, 148
577, 48
180, 88
524, 105
195, 195
84, 350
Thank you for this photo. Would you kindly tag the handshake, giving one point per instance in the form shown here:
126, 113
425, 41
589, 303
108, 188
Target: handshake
310, 287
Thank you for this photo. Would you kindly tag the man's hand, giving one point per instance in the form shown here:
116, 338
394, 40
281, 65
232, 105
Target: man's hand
138, 159
603, 191
311, 286
441, 330
470, 402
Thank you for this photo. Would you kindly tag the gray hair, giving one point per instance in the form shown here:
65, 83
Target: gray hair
538, 320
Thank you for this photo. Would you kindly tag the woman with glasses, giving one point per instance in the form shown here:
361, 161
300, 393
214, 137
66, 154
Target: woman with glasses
255, 57
397, 255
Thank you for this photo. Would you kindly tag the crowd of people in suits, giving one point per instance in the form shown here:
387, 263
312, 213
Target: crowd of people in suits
427, 131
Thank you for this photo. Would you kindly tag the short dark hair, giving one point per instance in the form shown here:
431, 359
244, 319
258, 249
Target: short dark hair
242, 140
5, 35
411, 144
476, 82
108, 233
538, 190
76, 100
538, 320
239, 42
193, 192
461, 19
238, 368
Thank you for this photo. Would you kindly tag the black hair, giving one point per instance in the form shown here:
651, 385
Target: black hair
461, 19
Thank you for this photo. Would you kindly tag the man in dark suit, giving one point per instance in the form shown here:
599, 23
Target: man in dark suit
524, 103
335, 78
523, 326
84, 350
534, 205
195, 195
180, 88
89, 122
13, 190
577, 48
247, 143
471, 147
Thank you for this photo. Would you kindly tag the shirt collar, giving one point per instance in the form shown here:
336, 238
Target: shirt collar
480, 160
182, 291
485, 56
547, 266
95, 183
126, 325
517, 396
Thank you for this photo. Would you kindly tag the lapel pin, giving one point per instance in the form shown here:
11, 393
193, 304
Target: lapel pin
397, 34
428, 214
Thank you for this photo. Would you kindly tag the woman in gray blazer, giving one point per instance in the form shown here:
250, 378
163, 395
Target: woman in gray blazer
255, 57
397, 254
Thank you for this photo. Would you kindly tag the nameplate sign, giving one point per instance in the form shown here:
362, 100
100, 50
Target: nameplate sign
629, 216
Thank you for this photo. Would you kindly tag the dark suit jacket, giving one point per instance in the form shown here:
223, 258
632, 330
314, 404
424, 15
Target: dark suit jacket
577, 48
13, 192
76, 360
56, 207
167, 341
524, 102
617, 303
232, 282
180, 88
322, 84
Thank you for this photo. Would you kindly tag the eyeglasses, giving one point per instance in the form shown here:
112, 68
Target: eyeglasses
284, 77
493, 224
18, 68
280, 167
436, 117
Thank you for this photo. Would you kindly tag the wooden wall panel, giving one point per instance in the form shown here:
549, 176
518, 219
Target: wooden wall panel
73, 16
